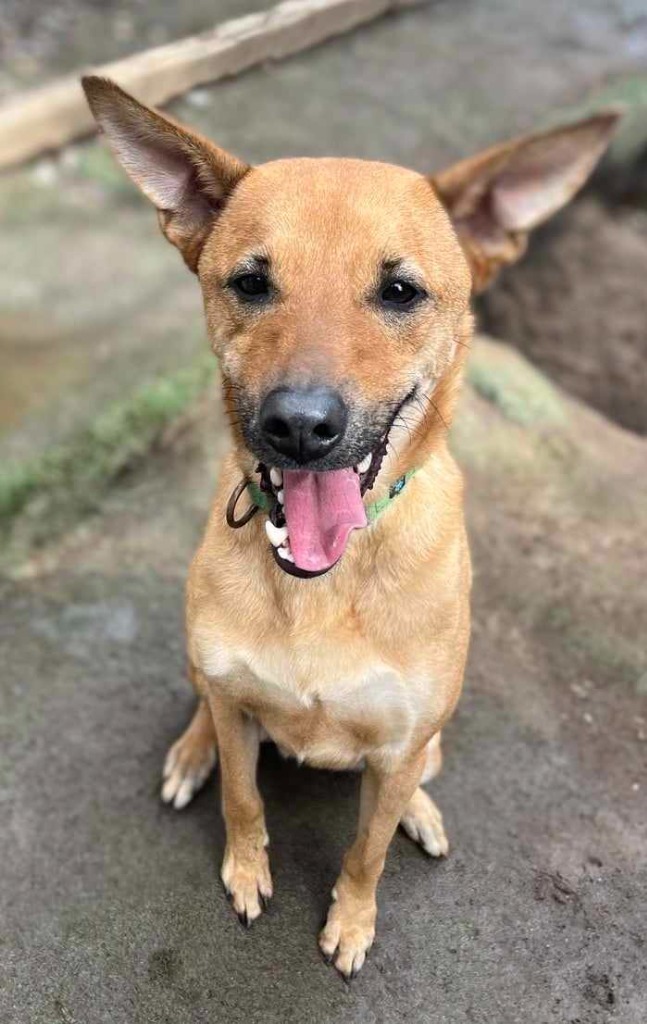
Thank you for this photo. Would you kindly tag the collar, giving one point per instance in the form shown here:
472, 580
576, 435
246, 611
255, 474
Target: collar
260, 500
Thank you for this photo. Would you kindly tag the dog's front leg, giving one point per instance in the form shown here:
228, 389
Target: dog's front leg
245, 869
350, 927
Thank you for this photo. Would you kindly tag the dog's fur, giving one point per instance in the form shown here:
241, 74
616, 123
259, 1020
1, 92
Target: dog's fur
364, 665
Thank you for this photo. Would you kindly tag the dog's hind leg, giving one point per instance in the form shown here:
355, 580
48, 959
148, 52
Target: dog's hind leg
422, 821
191, 758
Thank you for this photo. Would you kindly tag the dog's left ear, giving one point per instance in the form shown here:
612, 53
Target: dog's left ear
495, 198
186, 176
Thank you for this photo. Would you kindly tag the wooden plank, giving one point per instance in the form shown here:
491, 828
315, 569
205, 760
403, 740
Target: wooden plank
55, 114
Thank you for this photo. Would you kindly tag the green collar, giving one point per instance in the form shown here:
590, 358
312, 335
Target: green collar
373, 510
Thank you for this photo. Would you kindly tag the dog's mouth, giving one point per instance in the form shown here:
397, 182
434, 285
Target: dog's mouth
315, 513
311, 513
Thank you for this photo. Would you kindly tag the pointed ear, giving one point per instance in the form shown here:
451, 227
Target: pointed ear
494, 199
184, 175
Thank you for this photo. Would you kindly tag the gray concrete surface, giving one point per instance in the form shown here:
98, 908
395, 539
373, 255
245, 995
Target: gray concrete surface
112, 909
40, 40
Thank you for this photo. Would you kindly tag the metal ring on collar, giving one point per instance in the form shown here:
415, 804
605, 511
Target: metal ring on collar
231, 507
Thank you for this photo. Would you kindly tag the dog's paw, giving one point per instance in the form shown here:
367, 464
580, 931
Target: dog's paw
188, 765
248, 883
349, 932
423, 822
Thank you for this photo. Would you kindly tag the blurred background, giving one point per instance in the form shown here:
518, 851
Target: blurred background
110, 433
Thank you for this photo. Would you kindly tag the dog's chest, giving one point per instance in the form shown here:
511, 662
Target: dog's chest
325, 702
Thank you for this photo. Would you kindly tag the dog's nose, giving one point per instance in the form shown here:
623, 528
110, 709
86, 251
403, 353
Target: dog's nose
304, 424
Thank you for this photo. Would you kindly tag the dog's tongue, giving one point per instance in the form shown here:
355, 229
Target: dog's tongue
321, 509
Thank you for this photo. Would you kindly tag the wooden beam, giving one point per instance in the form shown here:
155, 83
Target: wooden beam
53, 115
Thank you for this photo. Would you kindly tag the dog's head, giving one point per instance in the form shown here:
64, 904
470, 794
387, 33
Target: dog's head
337, 294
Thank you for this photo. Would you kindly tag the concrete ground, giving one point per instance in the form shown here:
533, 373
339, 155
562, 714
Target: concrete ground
113, 911
111, 906
39, 40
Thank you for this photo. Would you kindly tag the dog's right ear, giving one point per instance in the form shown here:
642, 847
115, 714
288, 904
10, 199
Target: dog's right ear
184, 175
497, 197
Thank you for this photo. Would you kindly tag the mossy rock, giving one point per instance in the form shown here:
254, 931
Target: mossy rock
521, 392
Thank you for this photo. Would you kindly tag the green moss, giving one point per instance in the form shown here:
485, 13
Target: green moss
24, 201
521, 392
72, 476
97, 164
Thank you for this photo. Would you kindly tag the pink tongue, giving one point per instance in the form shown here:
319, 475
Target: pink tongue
321, 509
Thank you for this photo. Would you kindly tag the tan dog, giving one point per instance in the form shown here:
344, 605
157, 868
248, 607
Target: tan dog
336, 620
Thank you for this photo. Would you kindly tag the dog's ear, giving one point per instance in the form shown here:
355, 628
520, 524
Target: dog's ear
495, 198
184, 175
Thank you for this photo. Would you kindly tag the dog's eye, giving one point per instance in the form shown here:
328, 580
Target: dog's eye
251, 286
399, 293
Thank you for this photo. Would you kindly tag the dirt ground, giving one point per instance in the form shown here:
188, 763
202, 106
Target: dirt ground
577, 307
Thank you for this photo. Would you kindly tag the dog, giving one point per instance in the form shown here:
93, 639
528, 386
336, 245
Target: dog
328, 605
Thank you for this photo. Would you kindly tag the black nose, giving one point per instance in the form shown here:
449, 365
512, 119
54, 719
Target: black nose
304, 424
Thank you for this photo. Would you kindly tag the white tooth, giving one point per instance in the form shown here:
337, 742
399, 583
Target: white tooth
364, 465
276, 534
281, 496
286, 554
276, 476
